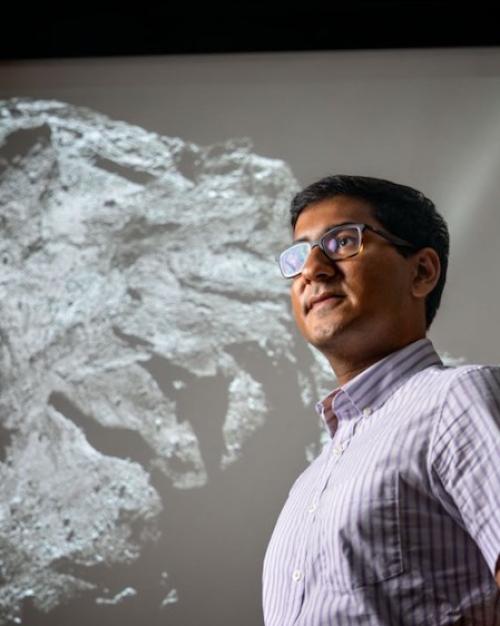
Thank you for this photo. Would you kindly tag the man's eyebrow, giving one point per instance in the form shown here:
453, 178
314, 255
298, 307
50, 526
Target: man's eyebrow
326, 229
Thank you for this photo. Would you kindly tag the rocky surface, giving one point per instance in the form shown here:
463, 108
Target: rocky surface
131, 265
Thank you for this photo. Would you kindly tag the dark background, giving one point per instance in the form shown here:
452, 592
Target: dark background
191, 28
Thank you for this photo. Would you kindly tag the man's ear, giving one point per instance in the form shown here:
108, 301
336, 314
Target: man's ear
426, 272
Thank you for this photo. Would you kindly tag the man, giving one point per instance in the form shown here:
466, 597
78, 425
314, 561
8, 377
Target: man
397, 521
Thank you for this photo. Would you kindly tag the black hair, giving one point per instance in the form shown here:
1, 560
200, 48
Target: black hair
403, 211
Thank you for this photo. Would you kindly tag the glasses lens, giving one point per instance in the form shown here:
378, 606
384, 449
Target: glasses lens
292, 259
343, 242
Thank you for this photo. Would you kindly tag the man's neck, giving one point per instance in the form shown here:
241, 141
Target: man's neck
347, 366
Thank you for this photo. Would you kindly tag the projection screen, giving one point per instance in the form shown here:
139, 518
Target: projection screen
156, 401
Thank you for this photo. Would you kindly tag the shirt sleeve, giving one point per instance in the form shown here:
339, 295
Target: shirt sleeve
466, 454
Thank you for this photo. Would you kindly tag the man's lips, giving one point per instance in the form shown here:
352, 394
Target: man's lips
315, 300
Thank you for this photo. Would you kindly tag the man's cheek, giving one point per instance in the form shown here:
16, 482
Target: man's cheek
295, 301
300, 322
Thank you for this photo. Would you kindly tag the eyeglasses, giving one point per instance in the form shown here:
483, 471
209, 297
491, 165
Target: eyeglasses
340, 242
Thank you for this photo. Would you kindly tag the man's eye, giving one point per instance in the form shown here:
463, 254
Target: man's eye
344, 241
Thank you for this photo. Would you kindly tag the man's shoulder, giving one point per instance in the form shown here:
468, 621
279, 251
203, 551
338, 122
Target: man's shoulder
469, 417
473, 381
456, 373
470, 399
469, 374
433, 386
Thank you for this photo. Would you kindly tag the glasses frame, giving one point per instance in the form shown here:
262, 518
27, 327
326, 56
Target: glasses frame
320, 243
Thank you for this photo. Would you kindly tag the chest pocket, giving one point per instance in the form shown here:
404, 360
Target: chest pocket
360, 534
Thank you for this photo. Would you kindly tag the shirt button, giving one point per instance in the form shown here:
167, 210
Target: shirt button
313, 507
367, 411
337, 451
297, 575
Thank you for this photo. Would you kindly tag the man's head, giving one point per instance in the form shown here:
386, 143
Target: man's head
385, 292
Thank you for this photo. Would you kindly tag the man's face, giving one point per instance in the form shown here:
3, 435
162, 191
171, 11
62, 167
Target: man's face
370, 308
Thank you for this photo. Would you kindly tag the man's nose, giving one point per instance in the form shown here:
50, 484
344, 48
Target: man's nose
318, 265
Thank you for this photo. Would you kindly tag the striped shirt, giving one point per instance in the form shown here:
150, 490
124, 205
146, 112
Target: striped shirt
397, 521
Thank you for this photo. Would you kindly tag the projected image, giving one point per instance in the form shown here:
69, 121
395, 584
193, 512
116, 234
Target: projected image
138, 278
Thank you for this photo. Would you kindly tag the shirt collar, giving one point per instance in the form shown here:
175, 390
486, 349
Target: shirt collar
368, 391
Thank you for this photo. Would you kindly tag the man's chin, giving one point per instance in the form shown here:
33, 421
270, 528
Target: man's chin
328, 337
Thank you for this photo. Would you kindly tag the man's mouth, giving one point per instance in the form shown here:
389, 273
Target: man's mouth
323, 302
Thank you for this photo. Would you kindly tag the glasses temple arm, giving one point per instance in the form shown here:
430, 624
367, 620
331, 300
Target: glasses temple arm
392, 238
